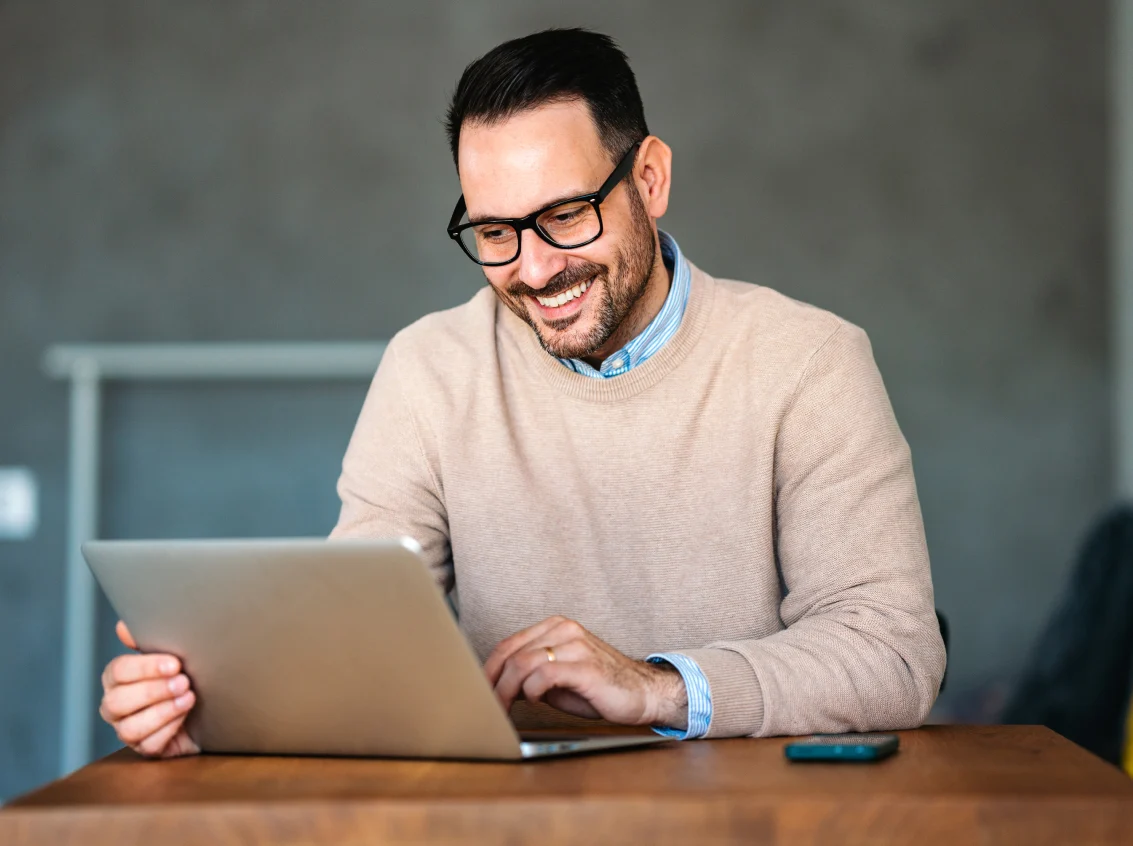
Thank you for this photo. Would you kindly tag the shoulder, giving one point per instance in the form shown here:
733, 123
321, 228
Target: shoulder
818, 366
776, 327
446, 338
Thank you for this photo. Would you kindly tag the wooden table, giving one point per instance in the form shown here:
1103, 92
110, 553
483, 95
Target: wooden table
948, 784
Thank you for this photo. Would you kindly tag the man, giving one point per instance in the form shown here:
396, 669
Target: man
666, 499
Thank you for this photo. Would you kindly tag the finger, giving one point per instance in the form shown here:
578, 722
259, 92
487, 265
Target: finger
159, 742
573, 676
526, 661
125, 699
137, 727
570, 702
567, 630
127, 669
515, 671
125, 636
181, 744
510, 645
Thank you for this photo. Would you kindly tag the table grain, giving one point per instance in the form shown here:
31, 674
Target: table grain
948, 784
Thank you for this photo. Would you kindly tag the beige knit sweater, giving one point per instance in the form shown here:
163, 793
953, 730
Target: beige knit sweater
744, 497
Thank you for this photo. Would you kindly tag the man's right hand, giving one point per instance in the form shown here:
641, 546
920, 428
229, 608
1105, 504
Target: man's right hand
146, 699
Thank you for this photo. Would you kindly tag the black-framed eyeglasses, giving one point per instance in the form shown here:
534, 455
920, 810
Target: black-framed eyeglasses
566, 224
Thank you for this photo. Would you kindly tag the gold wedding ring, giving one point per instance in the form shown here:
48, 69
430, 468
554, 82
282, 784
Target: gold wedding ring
550, 654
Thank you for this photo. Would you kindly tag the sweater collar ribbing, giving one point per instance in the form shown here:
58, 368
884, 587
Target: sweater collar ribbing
638, 379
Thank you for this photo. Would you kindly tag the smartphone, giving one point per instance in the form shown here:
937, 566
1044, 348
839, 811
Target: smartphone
842, 747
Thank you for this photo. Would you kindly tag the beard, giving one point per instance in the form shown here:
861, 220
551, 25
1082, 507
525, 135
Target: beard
617, 291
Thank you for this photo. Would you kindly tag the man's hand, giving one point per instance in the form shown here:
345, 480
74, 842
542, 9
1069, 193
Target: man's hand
146, 699
587, 678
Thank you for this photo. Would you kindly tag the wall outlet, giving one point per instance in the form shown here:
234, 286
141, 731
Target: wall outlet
19, 503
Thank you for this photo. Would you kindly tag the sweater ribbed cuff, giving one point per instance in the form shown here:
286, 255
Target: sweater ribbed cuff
737, 698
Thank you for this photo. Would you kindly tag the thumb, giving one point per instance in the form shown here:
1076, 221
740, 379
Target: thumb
125, 636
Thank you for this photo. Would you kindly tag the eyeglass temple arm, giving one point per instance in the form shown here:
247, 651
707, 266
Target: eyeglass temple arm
617, 176
457, 214
619, 173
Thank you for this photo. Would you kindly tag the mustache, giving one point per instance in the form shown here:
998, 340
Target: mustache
560, 282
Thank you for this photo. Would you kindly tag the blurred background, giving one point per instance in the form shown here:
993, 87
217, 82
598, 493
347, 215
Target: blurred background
938, 173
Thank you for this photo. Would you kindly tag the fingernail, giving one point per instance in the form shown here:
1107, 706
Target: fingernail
169, 666
183, 700
178, 684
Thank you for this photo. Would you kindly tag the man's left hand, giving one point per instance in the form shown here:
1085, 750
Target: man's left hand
559, 662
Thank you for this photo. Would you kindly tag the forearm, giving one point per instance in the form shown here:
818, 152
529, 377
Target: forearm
854, 668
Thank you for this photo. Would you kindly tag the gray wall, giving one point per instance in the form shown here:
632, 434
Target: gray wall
250, 170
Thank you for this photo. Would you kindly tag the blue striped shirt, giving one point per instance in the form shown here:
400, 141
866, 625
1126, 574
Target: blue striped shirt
660, 329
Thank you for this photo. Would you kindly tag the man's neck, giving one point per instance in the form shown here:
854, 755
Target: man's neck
642, 313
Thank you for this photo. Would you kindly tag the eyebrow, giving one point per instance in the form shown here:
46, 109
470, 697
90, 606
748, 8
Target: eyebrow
484, 218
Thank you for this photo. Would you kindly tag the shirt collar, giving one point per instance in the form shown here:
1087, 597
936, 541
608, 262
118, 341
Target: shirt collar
660, 329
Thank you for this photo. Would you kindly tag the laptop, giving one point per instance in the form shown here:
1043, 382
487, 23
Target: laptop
316, 647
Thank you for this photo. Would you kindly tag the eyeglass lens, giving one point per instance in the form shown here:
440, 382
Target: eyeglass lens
566, 225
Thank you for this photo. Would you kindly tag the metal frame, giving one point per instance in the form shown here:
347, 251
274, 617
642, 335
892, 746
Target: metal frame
87, 367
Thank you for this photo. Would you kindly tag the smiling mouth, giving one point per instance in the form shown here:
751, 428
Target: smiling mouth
566, 296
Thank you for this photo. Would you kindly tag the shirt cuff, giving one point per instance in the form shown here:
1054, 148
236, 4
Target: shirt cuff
699, 696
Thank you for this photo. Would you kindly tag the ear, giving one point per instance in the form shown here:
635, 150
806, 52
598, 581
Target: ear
652, 173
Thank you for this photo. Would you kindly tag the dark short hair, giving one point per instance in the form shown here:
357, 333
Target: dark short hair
554, 65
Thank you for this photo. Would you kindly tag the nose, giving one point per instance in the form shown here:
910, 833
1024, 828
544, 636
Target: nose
539, 262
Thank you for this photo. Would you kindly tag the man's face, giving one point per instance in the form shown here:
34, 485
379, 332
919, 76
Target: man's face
529, 161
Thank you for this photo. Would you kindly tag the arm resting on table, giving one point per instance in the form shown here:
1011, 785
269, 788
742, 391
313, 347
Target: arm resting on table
861, 650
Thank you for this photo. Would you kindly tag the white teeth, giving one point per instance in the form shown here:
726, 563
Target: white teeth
565, 297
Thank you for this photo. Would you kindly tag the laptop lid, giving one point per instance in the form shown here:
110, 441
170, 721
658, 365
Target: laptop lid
308, 646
